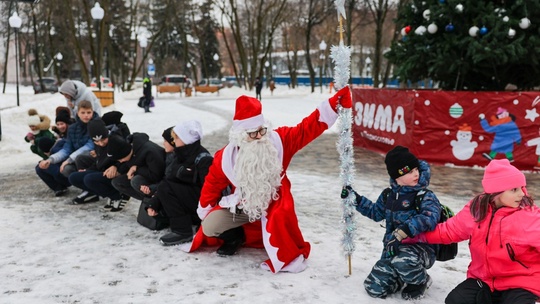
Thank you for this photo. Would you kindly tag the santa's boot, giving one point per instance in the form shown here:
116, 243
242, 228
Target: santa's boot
233, 240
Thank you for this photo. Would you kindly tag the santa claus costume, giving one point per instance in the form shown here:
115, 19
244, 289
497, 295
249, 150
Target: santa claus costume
272, 224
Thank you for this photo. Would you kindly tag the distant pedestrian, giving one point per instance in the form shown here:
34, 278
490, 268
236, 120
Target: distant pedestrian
272, 87
147, 92
258, 88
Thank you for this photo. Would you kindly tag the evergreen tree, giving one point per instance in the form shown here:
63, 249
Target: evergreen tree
170, 22
208, 44
469, 44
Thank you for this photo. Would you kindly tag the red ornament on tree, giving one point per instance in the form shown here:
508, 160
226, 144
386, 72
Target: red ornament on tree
407, 29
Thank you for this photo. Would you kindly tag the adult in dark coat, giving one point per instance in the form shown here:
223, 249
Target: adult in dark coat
147, 92
142, 163
258, 88
178, 194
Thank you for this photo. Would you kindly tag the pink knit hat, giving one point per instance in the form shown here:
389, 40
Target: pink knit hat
500, 176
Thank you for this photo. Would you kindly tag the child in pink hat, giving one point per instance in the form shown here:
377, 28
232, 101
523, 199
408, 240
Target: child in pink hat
502, 226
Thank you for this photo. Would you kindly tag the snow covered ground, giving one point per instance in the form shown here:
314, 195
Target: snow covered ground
52, 252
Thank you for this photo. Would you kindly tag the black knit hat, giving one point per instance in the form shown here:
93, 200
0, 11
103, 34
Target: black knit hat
112, 118
97, 130
399, 161
167, 136
64, 117
45, 144
118, 148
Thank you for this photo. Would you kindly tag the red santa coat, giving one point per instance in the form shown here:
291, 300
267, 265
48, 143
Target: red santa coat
278, 231
505, 246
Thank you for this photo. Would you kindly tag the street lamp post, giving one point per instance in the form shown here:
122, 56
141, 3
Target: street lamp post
368, 67
97, 14
267, 65
15, 22
143, 43
216, 70
322, 48
59, 58
91, 67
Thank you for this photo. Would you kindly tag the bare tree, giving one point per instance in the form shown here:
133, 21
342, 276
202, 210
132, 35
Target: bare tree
253, 25
7, 32
292, 31
317, 11
379, 10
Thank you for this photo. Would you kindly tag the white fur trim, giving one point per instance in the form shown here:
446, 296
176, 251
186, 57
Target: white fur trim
270, 250
203, 212
249, 123
327, 114
297, 265
228, 161
185, 247
230, 202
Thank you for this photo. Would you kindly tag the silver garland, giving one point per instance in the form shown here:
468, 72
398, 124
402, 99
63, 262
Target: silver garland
341, 56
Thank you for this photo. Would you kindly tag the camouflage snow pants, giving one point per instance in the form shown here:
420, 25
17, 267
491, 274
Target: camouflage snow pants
409, 267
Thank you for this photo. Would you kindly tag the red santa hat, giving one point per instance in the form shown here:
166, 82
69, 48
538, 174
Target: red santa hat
248, 113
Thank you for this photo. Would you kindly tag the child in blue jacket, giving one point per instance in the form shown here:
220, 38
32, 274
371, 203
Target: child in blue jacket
402, 263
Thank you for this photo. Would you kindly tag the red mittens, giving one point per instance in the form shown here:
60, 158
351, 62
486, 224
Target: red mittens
342, 97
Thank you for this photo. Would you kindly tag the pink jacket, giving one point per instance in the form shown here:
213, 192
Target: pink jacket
505, 246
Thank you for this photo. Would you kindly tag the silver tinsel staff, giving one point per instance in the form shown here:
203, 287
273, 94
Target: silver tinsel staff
341, 56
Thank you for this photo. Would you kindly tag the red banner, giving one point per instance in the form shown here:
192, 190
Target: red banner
459, 128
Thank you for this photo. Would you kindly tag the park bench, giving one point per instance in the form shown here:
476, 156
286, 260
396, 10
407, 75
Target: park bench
207, 89
106, 97
164, 88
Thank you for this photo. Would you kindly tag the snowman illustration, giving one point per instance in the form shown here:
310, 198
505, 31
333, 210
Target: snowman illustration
463, 148
535, 142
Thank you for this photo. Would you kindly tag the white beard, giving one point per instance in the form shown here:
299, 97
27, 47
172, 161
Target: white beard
258, 176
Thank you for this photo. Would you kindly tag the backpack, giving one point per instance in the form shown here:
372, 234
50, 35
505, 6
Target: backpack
444, 252
202, 155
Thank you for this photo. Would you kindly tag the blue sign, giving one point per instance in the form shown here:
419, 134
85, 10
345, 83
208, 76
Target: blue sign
151, 70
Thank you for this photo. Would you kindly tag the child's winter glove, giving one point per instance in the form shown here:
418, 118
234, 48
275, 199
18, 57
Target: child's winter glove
392, 247
348, 190
30, 136
345, 191
342, 96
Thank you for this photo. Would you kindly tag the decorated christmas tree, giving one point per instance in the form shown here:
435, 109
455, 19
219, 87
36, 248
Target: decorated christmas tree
469, 44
